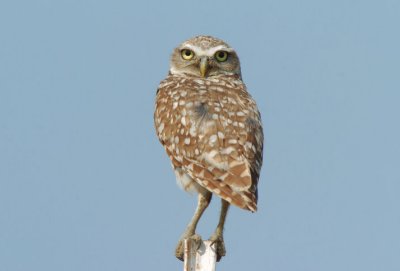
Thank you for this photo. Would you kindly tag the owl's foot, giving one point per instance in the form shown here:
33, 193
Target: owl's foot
218, 241
180, 248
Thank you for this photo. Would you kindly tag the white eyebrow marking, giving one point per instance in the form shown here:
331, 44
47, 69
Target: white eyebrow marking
209, 52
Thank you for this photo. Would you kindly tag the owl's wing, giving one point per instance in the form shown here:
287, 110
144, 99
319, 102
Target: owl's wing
223, 151
213, 132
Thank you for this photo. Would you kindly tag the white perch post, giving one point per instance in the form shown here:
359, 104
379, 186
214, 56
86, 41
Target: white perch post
199, 258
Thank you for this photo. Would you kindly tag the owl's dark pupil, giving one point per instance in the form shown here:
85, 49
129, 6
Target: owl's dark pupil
187, 53
221, 54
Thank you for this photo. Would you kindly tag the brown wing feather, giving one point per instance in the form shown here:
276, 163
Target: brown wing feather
212, 129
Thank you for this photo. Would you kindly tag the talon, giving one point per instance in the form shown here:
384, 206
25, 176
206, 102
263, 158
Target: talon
180, 248
219, 243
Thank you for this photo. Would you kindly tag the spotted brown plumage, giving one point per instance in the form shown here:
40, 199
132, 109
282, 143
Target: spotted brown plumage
210, 128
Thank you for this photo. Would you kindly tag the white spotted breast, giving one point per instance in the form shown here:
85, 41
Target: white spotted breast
211, 129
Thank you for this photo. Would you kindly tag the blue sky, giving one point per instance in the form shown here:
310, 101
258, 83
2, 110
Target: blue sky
85, 185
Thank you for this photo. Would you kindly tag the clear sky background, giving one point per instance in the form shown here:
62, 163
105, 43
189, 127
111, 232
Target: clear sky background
85, 184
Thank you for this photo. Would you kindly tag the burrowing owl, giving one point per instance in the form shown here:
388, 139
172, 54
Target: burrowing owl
211, 129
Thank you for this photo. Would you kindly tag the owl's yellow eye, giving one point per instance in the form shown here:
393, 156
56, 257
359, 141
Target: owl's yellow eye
187, 54
221, 56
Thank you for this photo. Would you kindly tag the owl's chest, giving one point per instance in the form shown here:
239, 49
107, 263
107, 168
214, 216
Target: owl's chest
200, 104
187, 115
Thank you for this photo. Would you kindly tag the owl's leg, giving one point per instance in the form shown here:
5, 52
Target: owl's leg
203, 201
218, 237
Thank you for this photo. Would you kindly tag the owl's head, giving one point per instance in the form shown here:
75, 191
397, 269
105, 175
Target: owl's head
205, 56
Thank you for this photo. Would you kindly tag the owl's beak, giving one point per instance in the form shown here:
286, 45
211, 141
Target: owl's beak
203, 66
